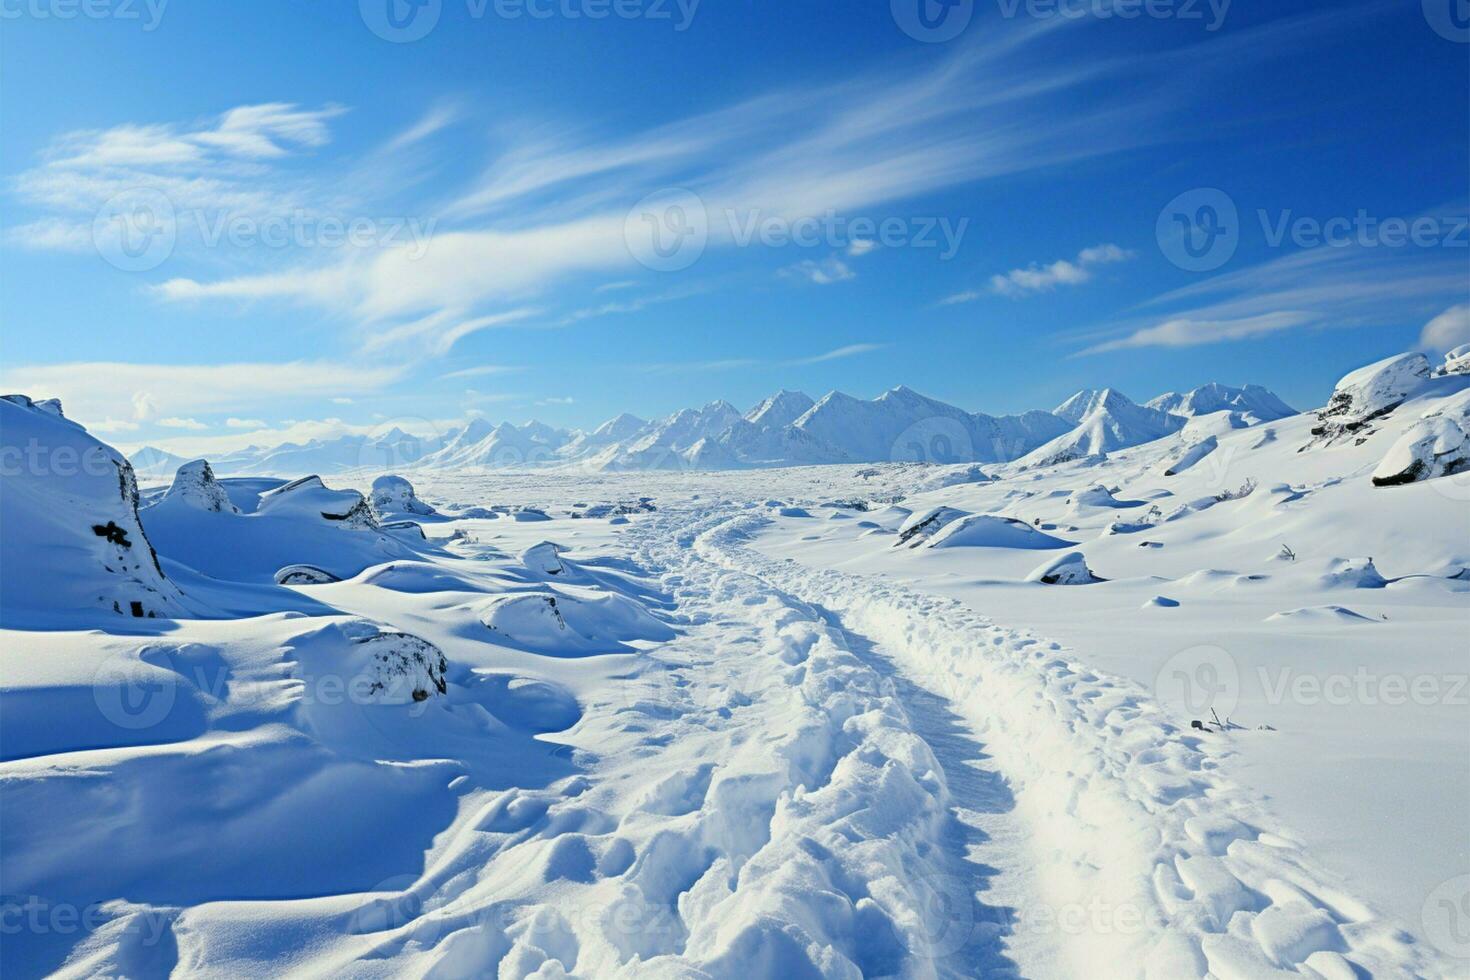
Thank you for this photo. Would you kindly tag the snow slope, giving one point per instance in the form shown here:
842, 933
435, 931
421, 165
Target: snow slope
733, 730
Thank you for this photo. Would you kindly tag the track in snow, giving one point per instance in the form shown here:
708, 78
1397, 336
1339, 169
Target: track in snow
1147, 861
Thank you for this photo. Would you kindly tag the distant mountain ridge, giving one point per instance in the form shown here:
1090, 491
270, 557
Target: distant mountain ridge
787, 429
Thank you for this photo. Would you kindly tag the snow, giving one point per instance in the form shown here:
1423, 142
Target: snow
1435, 446
1253, 401
1068, 569
671, 724
393, 495
1369, 391
787, 429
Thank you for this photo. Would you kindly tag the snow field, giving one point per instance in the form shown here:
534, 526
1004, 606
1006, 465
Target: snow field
1126, 813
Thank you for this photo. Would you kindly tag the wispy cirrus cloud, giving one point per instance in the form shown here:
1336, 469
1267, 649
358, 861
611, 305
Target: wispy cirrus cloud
555, 203
95, 389
1318, 288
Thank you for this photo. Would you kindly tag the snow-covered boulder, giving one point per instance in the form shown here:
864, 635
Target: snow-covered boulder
531, 619
1373, 391
1432, 447
195, 486
1352, 573
544, 558
309, 496
991, 531
1094, 496
1456, 361
69, 510
922, 525
395, 668
1068, 569
304, 575
394, 495
1191, 455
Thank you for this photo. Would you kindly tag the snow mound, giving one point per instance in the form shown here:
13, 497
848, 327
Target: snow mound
1161, 602
304, 575
395, 495
73, 540
544, 558
1372, 392
270, 526
990, 531
918, 527
567, 625
309, 497
1191, 456
1320, 615
195, 486
1352, 573
1068, 569
1432, 447
397, 668
1096, 496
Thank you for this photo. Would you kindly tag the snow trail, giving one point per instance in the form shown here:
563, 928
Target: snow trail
1148, 862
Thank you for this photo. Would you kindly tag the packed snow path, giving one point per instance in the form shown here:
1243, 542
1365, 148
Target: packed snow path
820, 775
1145, 860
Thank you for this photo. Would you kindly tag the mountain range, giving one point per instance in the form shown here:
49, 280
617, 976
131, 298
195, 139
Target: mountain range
787, 429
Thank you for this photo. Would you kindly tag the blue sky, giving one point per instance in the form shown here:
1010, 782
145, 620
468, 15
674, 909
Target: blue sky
992, 210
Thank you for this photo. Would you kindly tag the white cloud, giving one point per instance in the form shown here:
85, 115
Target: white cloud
851, 350
1322, 288
114, 425
1448, 330
968, 296
1185, 332
861, 247
193, 425
234, 423
1039, 278
824, 273
484, 370
555, 203
106, 389
568, 400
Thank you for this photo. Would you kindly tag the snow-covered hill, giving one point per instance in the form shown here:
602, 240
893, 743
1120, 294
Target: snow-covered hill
787, 429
